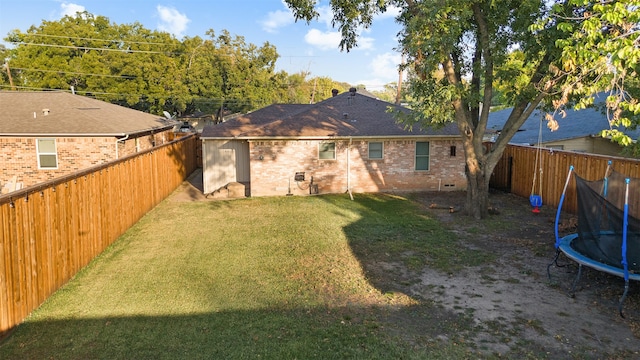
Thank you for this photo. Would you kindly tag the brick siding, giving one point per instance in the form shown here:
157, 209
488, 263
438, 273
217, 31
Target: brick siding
274, 164
20, 158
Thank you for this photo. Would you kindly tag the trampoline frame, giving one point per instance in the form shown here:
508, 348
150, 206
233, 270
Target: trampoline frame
563, 245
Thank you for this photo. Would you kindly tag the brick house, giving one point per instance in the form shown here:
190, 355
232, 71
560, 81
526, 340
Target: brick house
44, 135
350, 142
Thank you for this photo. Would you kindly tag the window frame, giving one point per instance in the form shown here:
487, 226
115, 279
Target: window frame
422, 156
381, 150
325, 144
41, 153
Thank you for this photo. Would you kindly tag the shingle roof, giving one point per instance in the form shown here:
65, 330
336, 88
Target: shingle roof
71, 115
344, 115
576, 124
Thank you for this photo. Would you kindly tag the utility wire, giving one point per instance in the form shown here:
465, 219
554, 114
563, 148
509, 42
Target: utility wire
77, 73
95, 39
140, 51
199, 99
128, 51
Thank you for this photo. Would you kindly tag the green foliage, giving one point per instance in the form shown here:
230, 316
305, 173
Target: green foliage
601, 54
464, 55
152, 71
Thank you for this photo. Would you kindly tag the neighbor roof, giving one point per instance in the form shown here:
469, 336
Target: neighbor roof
575, 124
345, 115
23, 114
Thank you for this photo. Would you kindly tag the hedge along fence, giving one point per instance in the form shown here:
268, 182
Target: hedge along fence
52, 230
515, 172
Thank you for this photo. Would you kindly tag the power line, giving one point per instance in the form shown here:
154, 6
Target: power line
127, 51
77, 73
199, 99
96, 39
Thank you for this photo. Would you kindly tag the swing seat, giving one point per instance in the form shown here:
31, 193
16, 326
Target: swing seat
536, 202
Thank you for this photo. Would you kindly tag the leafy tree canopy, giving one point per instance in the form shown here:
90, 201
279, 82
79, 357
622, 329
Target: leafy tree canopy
151, 70
461, 53
601, 53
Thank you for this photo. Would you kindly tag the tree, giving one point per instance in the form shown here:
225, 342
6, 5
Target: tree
468, 43
602, 53
149, 70
125, 64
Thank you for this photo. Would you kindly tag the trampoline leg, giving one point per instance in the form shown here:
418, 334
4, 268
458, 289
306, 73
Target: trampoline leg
575, 282
555, 261
624, 296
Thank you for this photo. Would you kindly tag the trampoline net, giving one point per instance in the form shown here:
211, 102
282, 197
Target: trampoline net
601, 220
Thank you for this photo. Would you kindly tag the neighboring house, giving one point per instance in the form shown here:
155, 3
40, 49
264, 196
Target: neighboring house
44, 135
578, 131
350, 142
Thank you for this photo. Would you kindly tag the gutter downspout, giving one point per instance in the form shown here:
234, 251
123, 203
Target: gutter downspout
117, 141
349, 169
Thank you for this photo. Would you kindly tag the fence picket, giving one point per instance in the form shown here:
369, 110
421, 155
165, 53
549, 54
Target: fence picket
516, 168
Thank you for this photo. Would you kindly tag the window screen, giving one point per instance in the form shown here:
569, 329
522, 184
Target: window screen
327, 151
47, 155
422, 155
375, 150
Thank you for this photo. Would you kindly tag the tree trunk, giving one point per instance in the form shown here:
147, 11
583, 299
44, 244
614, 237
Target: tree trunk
477, 203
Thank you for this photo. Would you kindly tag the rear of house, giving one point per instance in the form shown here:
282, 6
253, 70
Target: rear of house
350, 142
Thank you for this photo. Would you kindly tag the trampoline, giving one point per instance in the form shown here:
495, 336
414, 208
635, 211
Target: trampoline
607, 238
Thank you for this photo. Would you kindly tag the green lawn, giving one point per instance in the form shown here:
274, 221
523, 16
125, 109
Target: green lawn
271, 278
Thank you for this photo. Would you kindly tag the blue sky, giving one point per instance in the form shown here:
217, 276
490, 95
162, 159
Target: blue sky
303, 47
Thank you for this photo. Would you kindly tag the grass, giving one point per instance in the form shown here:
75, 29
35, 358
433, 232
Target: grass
273, 278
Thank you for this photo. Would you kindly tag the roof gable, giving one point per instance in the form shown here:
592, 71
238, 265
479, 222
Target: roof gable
61, 113
344, 115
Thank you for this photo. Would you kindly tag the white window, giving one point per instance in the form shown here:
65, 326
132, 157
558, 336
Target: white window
47, 154
327, 151
375, 150
422, 155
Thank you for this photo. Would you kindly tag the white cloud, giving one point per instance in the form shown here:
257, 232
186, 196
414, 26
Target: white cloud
330, 39
277, 19
325, 16
365, 43
324, 40
392, 12
385, 65
172, 21
373, 84
70, 9
384, 70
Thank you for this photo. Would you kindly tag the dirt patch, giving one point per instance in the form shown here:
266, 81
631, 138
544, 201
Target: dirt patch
514, 306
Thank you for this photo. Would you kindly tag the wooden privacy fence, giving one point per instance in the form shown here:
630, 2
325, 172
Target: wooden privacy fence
52, 230
515, 172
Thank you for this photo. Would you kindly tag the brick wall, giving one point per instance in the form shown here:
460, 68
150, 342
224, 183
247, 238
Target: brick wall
19, 155
274, 164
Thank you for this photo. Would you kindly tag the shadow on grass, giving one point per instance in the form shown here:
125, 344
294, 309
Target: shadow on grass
380, 230
354, 333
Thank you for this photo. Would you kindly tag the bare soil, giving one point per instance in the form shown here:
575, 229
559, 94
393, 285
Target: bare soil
515, 306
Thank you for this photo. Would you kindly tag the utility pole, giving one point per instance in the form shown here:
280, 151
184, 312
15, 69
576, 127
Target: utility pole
313, 93
6, 64
398, 96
